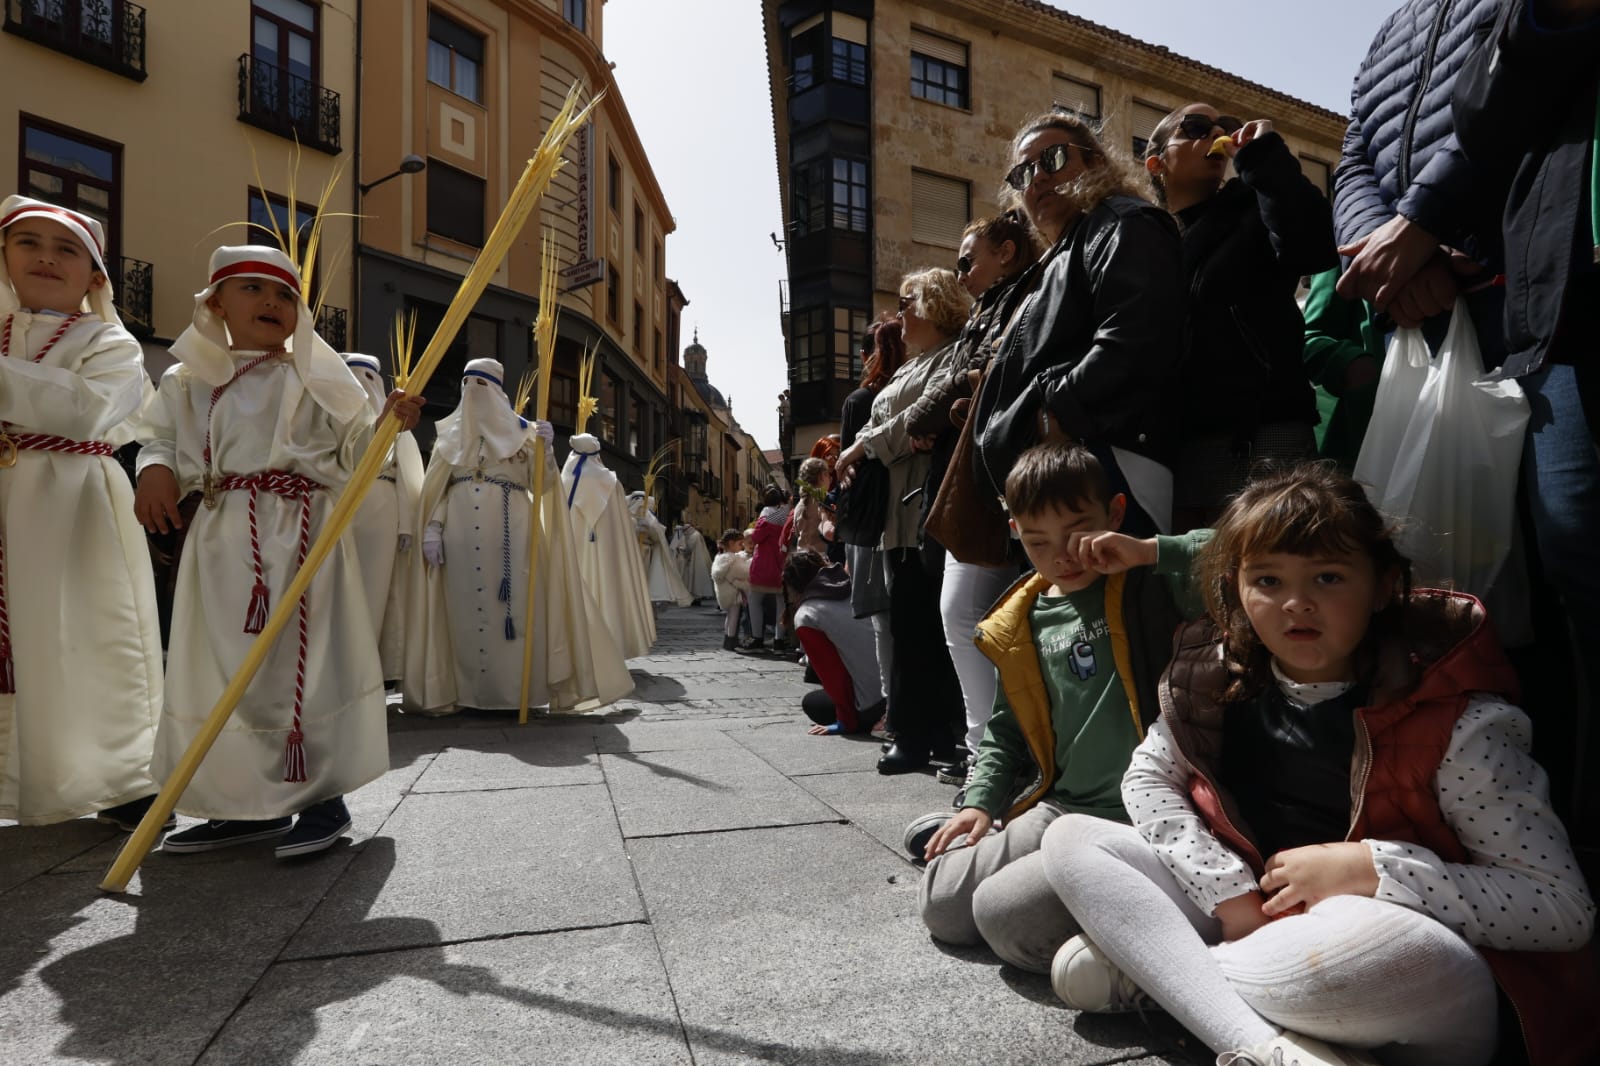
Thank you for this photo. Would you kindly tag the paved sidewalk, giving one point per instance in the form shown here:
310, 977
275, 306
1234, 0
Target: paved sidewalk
686, 879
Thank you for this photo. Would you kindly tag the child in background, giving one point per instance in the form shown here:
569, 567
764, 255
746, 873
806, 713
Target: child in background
1339, 834
80, 642
838, 645
1078, 654
730, 573
268, 422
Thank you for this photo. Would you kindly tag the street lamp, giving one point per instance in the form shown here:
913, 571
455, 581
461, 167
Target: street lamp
410, 164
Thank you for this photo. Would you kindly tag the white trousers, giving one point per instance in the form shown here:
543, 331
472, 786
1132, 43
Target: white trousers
968, 592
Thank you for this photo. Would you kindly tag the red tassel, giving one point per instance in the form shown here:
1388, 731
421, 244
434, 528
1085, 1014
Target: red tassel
8, 673
294, 757
255, 618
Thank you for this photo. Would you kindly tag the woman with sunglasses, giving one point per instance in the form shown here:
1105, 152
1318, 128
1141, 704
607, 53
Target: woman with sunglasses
968, 523
1090, 338
1246, 244
924, 706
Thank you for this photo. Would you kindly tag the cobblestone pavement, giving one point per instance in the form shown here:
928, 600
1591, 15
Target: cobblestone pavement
687, 878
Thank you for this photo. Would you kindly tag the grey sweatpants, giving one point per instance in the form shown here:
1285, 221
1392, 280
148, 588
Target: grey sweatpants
996, 893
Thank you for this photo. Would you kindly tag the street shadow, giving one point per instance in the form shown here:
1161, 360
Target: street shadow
655, 688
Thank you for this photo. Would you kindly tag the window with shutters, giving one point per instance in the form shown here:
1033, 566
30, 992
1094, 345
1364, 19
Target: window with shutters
850, 195
849, 49
810, 344
455, 204
455, 57
940, 209
1080, 98
849, 326
1318, 173
806, 42
938, 69
809, 188
1143, 119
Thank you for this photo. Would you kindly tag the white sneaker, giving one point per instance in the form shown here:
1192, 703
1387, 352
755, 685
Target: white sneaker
1085, 980
1292, 1049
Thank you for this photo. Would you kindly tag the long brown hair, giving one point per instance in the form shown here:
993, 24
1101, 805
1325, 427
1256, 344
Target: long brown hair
1309, 509
888, 352
1110, 172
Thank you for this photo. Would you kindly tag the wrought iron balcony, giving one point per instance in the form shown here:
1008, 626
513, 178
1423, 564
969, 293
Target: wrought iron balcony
107, 33
135, 292
331, 326
288, 105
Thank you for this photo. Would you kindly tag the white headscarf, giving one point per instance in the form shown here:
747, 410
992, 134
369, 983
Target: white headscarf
101, 301
485, 412
204, 346
369, 372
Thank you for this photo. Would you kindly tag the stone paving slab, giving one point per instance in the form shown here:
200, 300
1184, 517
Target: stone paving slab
881, 806
531, 756
457, 866
787, 746
144, 978
28, 851
586, 997
806, 940
637, 736
698, 791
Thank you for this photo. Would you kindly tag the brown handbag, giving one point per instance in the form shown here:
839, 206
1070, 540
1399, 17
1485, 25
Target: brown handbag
971, 524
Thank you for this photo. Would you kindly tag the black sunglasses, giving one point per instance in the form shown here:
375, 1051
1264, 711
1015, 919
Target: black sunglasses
906, 302
1050, 160
964, 265
1195, 127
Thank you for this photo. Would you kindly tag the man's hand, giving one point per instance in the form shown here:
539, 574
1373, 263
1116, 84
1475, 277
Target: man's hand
924, 443
155, 501
1241, 915
406, 407
1110, 553
969, 821
1385, 260
1306, 876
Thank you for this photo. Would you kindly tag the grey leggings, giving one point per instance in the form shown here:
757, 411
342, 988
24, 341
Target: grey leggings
1353, 971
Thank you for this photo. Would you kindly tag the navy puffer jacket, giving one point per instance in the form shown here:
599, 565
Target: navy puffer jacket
1400, 152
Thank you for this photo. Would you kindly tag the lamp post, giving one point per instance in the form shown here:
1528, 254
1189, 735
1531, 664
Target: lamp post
410, 164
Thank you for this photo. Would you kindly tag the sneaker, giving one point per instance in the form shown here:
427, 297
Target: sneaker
755, 647
225, 833
730, 643
1084, 979
921, 830
127, 816
1292, 1049
960, 799
316, 829
956, 772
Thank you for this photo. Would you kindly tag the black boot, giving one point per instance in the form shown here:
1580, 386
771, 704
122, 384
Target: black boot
901, 760
730, 643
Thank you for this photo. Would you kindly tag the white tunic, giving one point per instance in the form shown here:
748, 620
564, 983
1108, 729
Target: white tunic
693, 561
608, 553
86, 643
389, 510
665, 584
265, 421
464, 642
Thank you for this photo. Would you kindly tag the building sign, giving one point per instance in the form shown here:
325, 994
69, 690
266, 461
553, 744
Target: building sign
584, 272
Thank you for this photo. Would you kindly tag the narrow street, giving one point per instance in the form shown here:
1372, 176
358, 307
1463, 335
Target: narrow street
688, 878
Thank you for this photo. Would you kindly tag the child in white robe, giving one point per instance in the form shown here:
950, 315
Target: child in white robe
465, 628
608, 551
80, 643
693, 562
265, 419
383, 527
665, 584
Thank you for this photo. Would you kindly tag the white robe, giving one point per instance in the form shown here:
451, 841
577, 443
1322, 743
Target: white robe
693, 561
608, 553
265, 420
77, 735
458, 653
665, 584
390, 509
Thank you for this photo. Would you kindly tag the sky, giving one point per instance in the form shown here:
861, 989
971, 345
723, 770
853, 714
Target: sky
694, 76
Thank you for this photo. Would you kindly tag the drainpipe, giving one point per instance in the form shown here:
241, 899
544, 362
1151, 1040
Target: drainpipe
355, 198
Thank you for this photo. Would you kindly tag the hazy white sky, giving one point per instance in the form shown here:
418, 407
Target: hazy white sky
694, 76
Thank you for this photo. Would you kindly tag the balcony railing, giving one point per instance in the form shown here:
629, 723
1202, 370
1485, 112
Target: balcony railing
135, 292
288, 105
107, 33
331, 326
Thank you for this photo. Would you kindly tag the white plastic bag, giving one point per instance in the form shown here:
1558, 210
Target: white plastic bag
1441, 457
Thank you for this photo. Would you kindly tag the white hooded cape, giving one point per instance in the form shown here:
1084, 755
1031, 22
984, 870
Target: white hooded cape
693, 561
665, 584
608, 551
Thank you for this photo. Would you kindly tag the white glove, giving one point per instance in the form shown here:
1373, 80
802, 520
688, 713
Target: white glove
544, 431
404, 544
433, 543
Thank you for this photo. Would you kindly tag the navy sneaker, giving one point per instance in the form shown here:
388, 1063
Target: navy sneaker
127, 816
920, 831
225, 833
317, 828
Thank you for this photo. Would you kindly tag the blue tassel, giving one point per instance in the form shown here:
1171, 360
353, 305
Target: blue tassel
505, 590
511, 630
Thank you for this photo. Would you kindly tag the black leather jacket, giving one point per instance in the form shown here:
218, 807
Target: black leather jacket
1096, 330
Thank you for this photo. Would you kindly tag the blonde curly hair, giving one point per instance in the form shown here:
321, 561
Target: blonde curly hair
1111, 172
937, 296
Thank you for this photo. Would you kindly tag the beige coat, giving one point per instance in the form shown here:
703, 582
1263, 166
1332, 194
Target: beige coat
887, 439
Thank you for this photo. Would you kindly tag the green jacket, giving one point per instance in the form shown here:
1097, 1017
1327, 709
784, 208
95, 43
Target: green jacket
1142, 613
1338, 332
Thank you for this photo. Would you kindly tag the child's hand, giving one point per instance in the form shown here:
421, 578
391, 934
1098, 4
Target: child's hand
1306, 876
970, 821
406, 407
1241, 915
155, 501
1110, 553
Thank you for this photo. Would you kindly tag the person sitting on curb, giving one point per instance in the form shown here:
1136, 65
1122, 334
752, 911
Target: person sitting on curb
838, 645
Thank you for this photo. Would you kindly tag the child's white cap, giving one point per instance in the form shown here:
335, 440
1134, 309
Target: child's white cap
90, 234
489, 416
203, 347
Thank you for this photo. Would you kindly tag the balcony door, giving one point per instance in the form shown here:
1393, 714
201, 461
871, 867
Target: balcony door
283, 50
